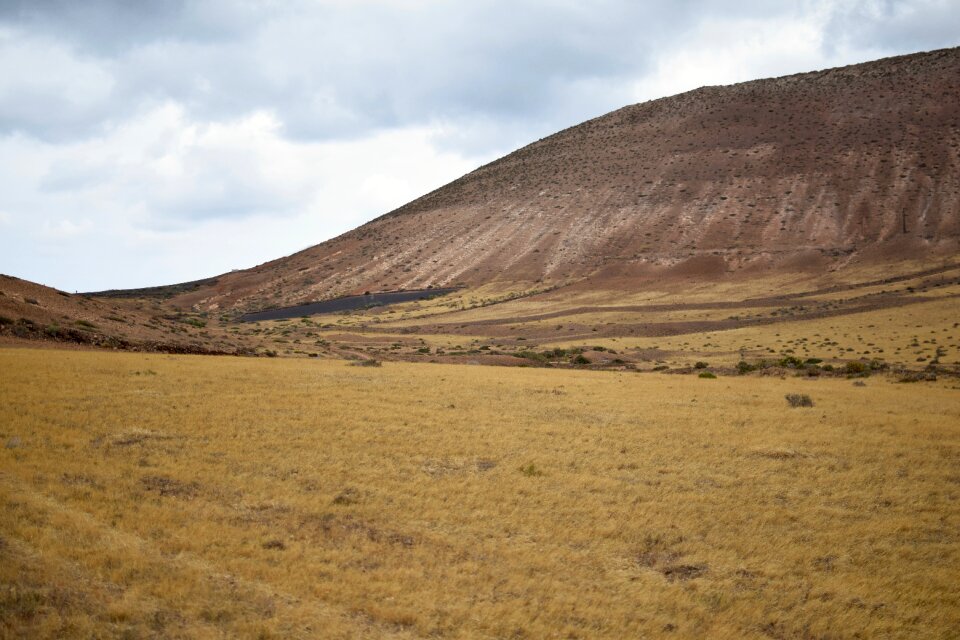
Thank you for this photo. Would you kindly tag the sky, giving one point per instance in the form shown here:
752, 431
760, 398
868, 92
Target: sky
147, 143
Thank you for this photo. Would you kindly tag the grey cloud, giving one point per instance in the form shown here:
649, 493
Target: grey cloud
336, 70
894, 26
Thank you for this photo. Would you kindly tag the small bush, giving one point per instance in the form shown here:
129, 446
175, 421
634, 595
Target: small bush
706, 374
700, 365
5, 320
580, 359
531, 470
86, 324
854, 367
791, 362
744, 367
796, 400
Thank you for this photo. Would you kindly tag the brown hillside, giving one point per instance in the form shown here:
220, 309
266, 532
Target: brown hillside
33, 314
815, 170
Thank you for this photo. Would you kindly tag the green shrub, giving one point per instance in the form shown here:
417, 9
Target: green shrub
744, 367
707, 374
580, 359
700, 365
791, 362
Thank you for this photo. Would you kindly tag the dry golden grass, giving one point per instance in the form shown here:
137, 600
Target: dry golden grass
178, 496
909, 335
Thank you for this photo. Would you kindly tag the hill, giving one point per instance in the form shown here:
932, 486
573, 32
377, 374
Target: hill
813, 171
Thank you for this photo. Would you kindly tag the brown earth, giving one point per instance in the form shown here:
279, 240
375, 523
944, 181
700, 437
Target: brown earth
33, 313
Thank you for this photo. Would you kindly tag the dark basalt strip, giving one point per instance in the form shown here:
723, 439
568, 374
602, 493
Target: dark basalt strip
347, 303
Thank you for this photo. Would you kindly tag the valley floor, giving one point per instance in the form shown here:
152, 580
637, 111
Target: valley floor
152, 495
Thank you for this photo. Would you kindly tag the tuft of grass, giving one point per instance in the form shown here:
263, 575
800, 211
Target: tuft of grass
531, 471
796, 400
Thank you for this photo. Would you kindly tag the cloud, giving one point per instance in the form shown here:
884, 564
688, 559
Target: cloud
893, 26
48, 90
65, 228
165, 198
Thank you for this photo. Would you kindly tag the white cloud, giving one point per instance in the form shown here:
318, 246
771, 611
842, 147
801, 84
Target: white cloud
64, 228
164, 198
46, 87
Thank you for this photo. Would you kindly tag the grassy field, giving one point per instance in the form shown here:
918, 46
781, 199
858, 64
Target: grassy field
189, 496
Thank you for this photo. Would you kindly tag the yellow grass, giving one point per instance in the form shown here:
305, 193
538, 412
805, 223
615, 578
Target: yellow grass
153, 495
899, 335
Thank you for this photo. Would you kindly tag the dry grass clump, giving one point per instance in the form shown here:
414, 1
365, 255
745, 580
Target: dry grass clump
229, 497
796, 400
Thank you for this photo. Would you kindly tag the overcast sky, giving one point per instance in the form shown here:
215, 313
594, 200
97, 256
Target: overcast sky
146, 143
